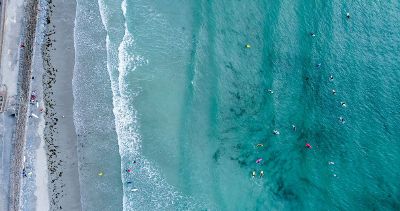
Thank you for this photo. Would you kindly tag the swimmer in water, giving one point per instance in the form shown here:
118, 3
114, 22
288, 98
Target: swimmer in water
270, 91
318, 65
333, 92
259, 160
331, 78
308, 146
261, 173
260, 145
348, 15
294, 127
331, 163
276, 132
341, 119
312, 34
253, 174
343, 104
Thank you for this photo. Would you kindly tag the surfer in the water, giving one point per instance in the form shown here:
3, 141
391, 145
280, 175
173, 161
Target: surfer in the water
341, 119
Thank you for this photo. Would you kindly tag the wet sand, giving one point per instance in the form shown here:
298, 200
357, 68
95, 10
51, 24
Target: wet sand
59, 132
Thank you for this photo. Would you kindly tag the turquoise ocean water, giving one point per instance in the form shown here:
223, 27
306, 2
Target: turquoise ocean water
168, 91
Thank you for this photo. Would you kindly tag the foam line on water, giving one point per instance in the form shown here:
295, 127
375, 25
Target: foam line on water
153, 192
93, 104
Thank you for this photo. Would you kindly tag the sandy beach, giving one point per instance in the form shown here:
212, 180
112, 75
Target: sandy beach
59, 132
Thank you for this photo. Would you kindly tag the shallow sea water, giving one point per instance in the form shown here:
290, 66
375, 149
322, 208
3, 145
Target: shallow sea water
191, 103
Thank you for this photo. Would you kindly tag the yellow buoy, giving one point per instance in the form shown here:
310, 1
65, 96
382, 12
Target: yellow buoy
248, 46
100, 173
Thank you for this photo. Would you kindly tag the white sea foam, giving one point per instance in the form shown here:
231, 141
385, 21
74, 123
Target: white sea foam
153, 191
123, 8
92, 104
103, 10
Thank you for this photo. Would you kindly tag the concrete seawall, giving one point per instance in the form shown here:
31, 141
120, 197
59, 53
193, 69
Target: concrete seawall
25, 74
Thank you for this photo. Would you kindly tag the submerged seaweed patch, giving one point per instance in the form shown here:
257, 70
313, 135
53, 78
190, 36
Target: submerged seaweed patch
217, 155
